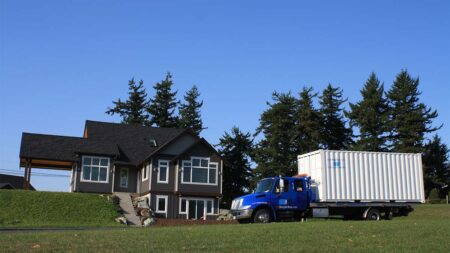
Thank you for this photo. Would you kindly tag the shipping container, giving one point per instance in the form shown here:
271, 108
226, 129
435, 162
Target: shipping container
355, 176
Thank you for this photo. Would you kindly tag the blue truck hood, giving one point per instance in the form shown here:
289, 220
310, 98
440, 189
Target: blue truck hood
254, 198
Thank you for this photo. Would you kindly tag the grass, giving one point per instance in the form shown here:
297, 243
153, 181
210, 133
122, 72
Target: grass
426, 230
54, 209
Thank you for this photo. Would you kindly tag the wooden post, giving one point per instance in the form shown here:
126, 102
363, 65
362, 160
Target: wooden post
29, 177
25, 176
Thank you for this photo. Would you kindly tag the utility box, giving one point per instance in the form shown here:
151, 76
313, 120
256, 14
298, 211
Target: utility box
356, 176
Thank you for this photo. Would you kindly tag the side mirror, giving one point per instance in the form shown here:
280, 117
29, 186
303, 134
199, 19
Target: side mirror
281, 185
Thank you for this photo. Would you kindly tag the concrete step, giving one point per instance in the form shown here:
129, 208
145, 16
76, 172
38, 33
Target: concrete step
127, 207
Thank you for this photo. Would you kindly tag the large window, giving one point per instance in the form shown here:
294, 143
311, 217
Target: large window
95, 169
163, 171
196, 208
200, 171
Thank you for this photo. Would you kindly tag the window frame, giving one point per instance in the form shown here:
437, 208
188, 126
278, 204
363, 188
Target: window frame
99, 167
158, 178
166, 198
191, 161
205, 205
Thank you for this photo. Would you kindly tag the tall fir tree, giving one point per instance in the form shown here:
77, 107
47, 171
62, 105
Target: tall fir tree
435, 163
276, 153
335, 135
162, 106
133, 110
307, 122
409, 119
190, 116
370, 115
237, 148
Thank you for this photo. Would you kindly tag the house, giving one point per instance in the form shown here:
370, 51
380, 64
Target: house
179, 172
12, 182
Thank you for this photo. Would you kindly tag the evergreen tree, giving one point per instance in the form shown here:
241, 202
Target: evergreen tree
276, 153
370, 115
190, 116
410, 120
133, 110
334, 134
307, 122
237, 148
435, 163
162, 106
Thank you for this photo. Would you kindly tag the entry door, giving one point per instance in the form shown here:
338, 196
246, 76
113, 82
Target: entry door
124, 177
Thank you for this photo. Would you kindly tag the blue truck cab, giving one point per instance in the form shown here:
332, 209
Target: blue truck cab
274, 199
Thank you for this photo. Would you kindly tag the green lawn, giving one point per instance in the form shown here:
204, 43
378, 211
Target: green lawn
54, 209
426, 230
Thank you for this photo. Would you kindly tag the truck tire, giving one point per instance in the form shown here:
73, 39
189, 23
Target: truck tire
388, 215
373, 214
262, 216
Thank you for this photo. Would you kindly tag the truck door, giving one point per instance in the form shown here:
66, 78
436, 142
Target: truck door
283, 198
300, 194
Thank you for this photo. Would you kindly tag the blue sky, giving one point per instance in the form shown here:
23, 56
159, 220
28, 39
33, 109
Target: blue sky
62, 62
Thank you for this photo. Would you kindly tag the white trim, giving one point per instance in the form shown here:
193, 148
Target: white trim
120, 178
166, 198
138, 182
144, 171
151, 175
177, 171
113, 171
167, 172
75, 181
208, 168
107, 170
221, 176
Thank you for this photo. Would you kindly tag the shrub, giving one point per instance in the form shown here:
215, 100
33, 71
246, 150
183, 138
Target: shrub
434, 196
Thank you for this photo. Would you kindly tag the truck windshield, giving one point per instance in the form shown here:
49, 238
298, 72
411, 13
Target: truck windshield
264, 185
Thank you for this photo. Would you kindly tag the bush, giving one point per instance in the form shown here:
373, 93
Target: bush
434, 196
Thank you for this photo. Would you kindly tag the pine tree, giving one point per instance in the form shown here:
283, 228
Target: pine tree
237, 148
370, 115
435, 163
334, 133
276, 153
162, 106
190, 116
133, 110
409, 119
307, 122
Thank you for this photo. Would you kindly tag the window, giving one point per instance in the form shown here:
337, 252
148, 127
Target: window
163, 171
145, 169
153, 143
199, 171
285, 187
198, 206
298, 185
161, 204
95, 169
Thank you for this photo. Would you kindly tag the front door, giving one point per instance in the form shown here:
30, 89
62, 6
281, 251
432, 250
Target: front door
123, 177
196, 209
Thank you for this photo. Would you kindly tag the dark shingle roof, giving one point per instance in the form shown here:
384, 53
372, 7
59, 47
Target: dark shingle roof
15, 181
129, 143
133, 140
63, 148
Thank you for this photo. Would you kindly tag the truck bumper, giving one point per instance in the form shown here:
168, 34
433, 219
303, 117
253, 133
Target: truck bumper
242, 214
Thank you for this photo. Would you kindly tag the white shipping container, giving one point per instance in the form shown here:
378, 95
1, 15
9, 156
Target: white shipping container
364, 176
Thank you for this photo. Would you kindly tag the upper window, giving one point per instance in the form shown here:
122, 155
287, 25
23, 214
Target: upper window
95, 169
163, 171
285, 188
200, 171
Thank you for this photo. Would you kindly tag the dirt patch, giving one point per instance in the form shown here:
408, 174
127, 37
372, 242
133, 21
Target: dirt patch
177, 222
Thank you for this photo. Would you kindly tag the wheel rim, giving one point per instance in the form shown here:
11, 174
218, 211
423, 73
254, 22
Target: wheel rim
263, 217
374, 216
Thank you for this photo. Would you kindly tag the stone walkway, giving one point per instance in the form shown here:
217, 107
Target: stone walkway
127, 207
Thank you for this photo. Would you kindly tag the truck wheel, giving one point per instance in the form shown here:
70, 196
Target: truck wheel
261, 216
373, 214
